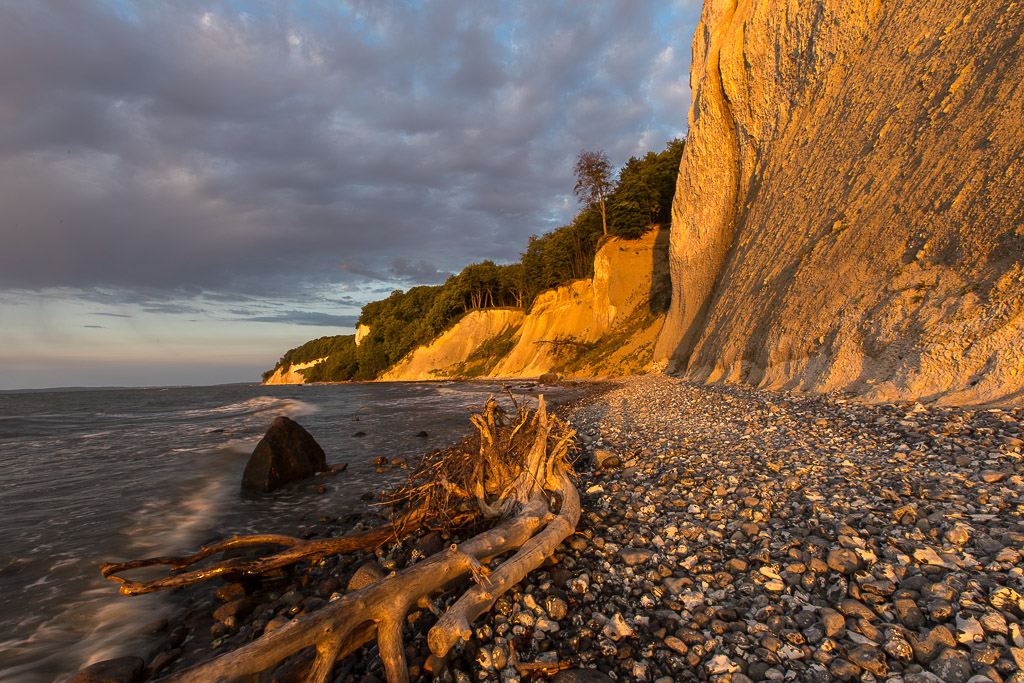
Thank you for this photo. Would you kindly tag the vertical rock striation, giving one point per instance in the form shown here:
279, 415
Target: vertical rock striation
850, 206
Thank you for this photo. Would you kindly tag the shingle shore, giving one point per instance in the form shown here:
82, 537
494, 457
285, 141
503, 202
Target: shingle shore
764, 536
752, 535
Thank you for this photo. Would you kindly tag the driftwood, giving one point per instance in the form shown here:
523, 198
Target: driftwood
295, 550
520, 475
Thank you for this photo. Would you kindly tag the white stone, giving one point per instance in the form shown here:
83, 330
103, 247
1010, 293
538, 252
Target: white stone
720, 664
617, 628
969, 630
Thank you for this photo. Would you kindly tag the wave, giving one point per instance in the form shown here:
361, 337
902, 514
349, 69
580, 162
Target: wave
255, 406
178, 458
90, 629
101, 623
174, 524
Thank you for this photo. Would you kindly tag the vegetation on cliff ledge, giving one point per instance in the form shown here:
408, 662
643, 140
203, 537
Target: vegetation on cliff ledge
642, 197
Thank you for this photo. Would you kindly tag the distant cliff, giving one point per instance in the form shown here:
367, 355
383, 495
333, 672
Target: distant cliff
850, 207
604, 325
291, 374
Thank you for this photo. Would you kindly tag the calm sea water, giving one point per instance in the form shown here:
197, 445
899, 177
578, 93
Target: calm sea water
107, 475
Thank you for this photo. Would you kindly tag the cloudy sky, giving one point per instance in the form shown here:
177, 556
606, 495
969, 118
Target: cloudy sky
188, 189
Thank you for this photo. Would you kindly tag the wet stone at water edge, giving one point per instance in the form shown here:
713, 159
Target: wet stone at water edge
748, 535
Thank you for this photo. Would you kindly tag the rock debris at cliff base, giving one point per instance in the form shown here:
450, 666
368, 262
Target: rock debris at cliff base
744, 535
765, 536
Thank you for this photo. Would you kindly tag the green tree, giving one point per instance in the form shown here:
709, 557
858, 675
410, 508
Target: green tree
514, 284
449, 304
669, 160
593, 173
644, 191
481, 281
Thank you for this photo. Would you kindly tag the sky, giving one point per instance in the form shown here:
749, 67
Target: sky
189, 189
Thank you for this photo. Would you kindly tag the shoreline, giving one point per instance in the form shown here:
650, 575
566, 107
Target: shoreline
188, 634
750, 535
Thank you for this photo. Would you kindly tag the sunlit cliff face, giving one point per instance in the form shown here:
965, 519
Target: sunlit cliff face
866, 237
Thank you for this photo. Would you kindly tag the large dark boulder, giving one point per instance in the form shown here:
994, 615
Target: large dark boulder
287, 453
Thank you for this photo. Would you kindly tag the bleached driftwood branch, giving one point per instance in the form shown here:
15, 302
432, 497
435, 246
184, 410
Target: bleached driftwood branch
539, 505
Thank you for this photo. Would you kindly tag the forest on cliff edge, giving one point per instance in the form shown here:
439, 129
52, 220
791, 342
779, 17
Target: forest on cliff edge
641, 197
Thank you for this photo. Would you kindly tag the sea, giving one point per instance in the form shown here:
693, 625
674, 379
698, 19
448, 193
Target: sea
109, 475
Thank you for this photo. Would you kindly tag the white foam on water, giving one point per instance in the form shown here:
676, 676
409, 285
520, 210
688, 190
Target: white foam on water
114, 629
96, 435
101, 623
99, 626
256, 405
173, 524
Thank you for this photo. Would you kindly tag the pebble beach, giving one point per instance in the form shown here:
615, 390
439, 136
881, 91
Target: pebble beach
727, 534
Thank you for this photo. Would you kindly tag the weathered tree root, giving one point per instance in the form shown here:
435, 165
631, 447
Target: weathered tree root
296, 550
342, 626
541, 508
456, 622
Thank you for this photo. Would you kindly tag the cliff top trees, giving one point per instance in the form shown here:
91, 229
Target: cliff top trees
593, 170
644, 191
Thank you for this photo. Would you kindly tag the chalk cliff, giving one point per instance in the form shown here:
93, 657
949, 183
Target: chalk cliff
447, 355
361, 332
850, 206
568, 326
605, 325
290, 374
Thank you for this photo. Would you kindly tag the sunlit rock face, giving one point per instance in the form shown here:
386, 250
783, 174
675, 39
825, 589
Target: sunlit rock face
443, 356
850, 209
627, 273
586, 310
362, 331
292, 374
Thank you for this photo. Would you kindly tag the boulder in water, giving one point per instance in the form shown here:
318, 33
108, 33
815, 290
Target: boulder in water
287, 453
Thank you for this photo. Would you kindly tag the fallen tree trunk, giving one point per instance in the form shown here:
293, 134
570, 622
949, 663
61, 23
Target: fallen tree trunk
540, 507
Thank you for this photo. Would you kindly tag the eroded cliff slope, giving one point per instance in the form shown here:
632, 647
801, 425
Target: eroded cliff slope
291, 374
452, 354
850, 207
605, 325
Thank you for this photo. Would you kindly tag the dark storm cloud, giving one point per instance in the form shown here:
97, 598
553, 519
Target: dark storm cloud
417, 272
182, 152
173, 308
